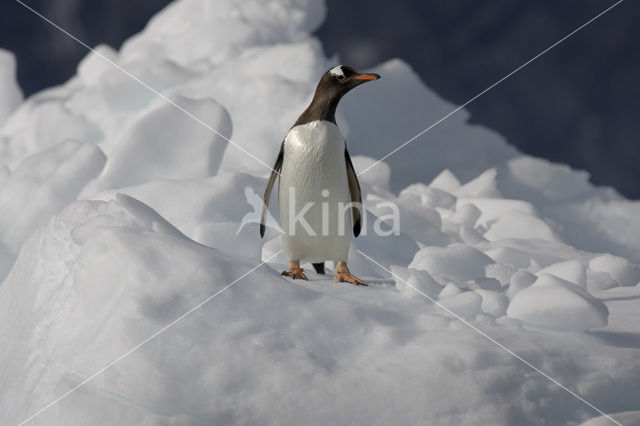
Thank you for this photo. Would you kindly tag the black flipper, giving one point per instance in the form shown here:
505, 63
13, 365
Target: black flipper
356, 195
319, 267
267, 192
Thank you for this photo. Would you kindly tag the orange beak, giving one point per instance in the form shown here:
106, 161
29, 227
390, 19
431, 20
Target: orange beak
367, 77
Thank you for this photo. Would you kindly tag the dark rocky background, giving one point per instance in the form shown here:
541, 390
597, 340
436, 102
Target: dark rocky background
579, 104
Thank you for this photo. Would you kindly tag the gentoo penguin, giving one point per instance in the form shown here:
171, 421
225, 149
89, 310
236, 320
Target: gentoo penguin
318, 191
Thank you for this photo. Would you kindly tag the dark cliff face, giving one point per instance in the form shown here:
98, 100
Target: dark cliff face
578, 104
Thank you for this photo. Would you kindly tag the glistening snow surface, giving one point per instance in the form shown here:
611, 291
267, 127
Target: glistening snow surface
118, 214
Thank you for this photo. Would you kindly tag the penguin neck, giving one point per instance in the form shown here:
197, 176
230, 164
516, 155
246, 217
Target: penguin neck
322, 107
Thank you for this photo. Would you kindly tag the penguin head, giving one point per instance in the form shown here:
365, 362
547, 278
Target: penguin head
333, 85
339, 80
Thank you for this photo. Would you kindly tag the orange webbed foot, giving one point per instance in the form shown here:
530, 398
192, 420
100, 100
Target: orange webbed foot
295, 272
347, 277
344, 275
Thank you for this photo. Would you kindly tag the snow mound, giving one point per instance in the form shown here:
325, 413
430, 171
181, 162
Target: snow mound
40, 186
553, 181
10, 93
491, 210
466, 304
484, 185
172, 146
516, 224
558, 304
458, 262
501, 272
446, 181
379, 177
493, 303
420, 280
520, 280
569, 270
449, 289
620, 269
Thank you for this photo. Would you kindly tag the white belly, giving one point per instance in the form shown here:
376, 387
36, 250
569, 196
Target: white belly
314, 163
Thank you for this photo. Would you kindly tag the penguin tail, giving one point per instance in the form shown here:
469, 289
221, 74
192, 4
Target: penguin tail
319, 267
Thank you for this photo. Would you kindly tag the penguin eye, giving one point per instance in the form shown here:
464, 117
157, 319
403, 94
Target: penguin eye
340, 77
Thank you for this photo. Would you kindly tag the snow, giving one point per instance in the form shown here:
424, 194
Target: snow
501, 272
379, 177
458, 261
493, 303
445, 181
492, 209
467, 215
554, 303
449, 289
520, 280
510, 256
515, 224
569, 270
119, 213
40, 186
10, 93
482, 186
486, 284
175, 150
620, 269
466, 304
406, 278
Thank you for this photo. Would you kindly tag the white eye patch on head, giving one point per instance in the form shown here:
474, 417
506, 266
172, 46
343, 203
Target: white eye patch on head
337, 71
